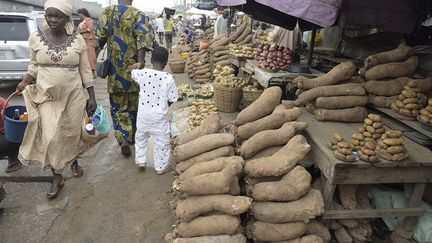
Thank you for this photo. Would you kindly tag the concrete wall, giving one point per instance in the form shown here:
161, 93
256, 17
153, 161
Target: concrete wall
30, 5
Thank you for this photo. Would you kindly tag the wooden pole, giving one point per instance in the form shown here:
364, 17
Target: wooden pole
311, 46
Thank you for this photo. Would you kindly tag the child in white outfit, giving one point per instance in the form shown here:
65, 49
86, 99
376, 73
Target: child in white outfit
157, 91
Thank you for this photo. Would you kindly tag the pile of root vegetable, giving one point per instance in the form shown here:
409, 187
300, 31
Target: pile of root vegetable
334, 96
276, 201
242, 51
187, 90
340, 96
387, 75
273, 58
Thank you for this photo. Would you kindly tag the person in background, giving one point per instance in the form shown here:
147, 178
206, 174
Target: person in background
180, 25
221, 24
203, 23
190, 35
57, 105
129, 39
160, 28
158, 92
169, 32
86, 29
261, 29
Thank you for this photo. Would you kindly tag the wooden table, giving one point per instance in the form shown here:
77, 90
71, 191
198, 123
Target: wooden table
416, 169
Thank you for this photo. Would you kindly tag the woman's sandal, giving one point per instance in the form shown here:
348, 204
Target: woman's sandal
55, 189
13, 167
77, 170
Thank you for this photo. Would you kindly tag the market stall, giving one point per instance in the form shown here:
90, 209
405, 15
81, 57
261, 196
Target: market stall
366, 124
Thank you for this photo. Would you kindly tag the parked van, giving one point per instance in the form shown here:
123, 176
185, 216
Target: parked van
15, 29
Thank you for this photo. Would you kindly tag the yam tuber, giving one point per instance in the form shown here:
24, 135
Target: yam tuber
193, 207
261, 107
219, 152
201, 145
263, 231
266, 139
339, 73
238, 238
347, 196
340, 102
281, 162
275, 120
356, 114
401, 53
382, 101
364, 232
215, 165
206, 184
316, 228
211, 124
393, 69
304, 209
267, 152
330, 91
292, 186
209, 225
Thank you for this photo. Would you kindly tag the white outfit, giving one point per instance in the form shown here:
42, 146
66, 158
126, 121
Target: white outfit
156, 90
220, 27
160, 25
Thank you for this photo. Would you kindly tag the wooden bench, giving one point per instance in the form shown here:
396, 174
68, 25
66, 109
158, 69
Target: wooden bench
416, 169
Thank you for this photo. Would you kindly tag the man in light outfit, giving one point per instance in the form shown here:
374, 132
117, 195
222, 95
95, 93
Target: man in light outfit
157, 92
221, 25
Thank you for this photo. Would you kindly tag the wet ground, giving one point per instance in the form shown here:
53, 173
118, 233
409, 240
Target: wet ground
112, 202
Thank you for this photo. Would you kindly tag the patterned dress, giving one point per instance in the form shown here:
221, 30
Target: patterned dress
127, 33
56, 104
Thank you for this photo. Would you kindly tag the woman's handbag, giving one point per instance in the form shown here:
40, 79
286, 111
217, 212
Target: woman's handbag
104, 64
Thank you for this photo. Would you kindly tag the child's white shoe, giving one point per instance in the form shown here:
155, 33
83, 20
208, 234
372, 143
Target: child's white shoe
163, 171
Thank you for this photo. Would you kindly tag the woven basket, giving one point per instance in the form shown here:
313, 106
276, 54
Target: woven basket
251, 96
177, 66
227, 99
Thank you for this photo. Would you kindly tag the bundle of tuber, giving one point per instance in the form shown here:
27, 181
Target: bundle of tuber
373, 128
224, 76
426, 113
199, 111
391, 146
393, 69
410, 101
242, 51
337, 137
344, 152
202, 71
368, 152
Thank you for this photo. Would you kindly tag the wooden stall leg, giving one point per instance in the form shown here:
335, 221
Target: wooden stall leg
328, 190
406, 226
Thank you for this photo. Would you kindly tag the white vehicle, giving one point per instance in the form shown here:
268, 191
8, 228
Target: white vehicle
15, 29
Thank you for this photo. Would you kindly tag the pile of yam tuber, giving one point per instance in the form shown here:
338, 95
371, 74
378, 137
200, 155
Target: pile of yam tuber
284, 204
349, 197
220, 51
331, 101
208, 201
426, 113
199, 67
410, 101
391, 146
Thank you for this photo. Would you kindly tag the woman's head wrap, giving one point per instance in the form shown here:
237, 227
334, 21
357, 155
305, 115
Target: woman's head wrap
65, 7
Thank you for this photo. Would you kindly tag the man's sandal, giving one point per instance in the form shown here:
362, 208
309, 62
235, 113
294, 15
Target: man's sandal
13, 167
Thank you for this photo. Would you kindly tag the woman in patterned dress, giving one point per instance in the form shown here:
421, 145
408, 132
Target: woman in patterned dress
56, 103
